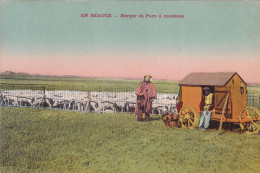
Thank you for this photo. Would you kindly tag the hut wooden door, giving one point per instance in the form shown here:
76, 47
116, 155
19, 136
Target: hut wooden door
220, 98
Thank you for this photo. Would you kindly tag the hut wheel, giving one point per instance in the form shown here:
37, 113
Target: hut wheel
253, 126
187, 117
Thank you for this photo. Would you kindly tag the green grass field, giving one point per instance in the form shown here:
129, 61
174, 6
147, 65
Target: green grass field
94, 84
88, 84
41, 140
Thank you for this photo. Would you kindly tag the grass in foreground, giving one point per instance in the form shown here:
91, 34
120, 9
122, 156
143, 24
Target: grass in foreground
40, 140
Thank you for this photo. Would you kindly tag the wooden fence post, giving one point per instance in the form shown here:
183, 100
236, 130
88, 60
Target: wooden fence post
89, 99
259, 102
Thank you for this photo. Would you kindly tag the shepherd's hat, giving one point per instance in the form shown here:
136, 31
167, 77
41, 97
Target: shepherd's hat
148, 76
206, 88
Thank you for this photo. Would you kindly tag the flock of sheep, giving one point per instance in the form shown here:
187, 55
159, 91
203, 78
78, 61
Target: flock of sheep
100, 102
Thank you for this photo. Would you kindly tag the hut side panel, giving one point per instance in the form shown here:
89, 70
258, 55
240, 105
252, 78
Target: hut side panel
191, 96
238, 95
221, 93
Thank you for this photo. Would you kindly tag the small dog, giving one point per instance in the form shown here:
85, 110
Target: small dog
170, 119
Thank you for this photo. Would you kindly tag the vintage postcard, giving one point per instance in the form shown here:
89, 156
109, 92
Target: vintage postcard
129, 86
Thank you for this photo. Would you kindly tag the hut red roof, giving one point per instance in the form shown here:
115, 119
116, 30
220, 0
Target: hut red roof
209, 79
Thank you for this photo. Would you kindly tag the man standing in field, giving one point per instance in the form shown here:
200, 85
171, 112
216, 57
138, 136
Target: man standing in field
206, 108
146, 93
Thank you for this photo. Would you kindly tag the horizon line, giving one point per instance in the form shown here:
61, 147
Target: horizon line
95, 77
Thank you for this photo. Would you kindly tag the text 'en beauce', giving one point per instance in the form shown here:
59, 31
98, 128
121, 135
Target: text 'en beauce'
96, 15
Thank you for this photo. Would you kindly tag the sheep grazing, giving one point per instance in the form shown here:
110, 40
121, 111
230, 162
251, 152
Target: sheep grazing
85, 101
129, 107
107, 105
170, 119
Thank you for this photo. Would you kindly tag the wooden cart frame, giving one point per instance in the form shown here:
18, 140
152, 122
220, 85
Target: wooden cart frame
229, 99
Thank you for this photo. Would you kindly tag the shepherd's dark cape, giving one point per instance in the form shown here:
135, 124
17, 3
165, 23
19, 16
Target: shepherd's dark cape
146, 93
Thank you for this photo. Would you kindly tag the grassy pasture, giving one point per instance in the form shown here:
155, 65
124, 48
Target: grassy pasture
89, 84
96, 84
42, 140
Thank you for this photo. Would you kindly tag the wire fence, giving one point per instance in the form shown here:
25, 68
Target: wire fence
88, 101
253, 99
35, 95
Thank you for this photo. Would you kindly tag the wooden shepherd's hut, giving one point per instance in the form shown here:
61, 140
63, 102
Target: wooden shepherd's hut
221, 83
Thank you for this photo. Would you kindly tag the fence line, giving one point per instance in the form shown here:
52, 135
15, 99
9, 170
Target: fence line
89, 101
253, 99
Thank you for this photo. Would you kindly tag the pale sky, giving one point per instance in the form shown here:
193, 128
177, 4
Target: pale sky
51, 38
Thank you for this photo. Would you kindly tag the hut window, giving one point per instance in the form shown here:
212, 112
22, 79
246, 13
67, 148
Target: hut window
233, 81
242, 88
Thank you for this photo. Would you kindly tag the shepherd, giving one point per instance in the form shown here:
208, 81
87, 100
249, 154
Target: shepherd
146, 93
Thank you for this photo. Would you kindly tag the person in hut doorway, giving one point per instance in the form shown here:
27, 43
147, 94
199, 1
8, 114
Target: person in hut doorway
146, 93
206, 108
